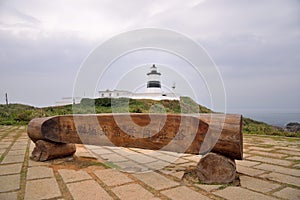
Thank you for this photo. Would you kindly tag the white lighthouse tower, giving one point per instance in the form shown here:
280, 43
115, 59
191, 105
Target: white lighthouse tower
153, 84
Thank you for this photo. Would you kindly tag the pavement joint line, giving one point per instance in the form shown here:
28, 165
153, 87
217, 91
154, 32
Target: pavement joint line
156, 193
62, 186
291, 165
7, 131
23, 174
104, 186
15, 137
203, 192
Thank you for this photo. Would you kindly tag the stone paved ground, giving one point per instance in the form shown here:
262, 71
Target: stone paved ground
270, 170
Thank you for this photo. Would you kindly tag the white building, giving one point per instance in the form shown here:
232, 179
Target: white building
153, 90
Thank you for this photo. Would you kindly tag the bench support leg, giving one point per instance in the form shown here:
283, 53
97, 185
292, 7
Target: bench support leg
44, 150
215, 168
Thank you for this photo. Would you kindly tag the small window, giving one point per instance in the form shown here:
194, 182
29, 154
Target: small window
110, 94
102, 95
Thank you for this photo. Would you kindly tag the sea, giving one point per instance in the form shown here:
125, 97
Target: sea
274, 118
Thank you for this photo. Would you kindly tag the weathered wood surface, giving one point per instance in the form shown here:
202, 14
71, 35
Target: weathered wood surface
179, 133
224, 135
215, 168
47, 150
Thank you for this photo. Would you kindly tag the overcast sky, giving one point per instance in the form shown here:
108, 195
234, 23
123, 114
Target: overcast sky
255, 44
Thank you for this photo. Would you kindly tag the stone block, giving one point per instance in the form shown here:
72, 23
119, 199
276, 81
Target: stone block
249, 170
183, 193
132, 192
9, 182
9, 196
279, 169
270, 160
237, 193
258, 184
69, 175
112, 177
288, 193
42, 189
155, 180
39, 172
88, 189
10, 169
282, 178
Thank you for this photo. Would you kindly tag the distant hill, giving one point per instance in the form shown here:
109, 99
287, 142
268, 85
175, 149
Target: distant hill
18, 114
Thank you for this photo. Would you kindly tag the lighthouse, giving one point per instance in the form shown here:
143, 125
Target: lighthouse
153, 84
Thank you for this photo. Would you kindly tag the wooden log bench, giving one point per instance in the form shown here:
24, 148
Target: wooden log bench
194, 134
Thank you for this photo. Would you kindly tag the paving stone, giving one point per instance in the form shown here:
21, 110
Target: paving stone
155, 180
112, 177
270, 160
282, 178
69, 175
13, 159
132, 192
178, 175
84, 153
193, 158
130, 166
18, 147
140, 158
5, 145
157, 165
293, 158
88, 189
297, 166
172, 153
249, 170
181, 160
288, 148
274, 155
101, 151
256, 148
288, 193
10, 169
294, 153
246, 155
9, 182
155, 154
39, 172
32, 163
2, 151
257, 184
42, 189
16, 153
168, 158
283, 170
237, 193
124, 152
208, 188
183, 193
246, 163
9, 196
114, 157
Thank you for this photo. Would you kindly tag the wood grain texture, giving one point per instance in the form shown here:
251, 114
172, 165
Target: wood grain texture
171, 132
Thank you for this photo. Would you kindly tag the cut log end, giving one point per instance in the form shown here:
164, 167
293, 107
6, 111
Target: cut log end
47, 150
215, 168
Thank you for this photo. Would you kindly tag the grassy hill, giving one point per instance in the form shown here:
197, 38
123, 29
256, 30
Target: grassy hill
18, 114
